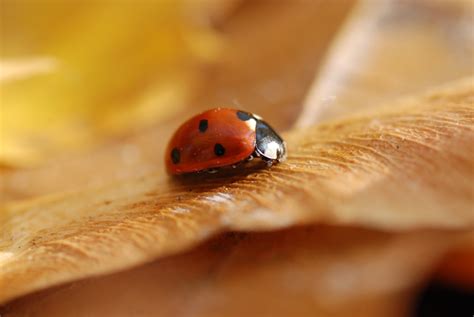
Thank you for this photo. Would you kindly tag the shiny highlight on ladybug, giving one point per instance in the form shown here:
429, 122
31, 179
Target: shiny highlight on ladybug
222, 137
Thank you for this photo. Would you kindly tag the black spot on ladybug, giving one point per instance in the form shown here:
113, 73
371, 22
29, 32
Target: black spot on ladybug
175, 156
219, 150
203, 125
244, 116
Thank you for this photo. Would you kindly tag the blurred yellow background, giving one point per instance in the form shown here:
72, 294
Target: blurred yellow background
74, 72
92, 90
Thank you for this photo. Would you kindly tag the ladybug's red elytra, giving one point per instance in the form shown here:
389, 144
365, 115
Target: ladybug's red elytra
222, 137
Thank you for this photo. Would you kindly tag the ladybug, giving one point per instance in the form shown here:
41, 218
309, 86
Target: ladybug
222, 137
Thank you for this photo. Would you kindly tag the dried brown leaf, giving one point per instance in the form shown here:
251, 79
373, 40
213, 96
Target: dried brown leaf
388, 49
305, 271
407, 167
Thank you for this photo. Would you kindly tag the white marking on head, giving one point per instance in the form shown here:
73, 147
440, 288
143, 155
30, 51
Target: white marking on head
271, 150
251, 123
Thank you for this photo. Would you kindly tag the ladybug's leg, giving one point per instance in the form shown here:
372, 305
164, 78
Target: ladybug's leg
269, 162
212, 170
249, 158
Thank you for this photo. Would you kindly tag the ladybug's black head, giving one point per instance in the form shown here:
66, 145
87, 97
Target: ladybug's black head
269, 145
